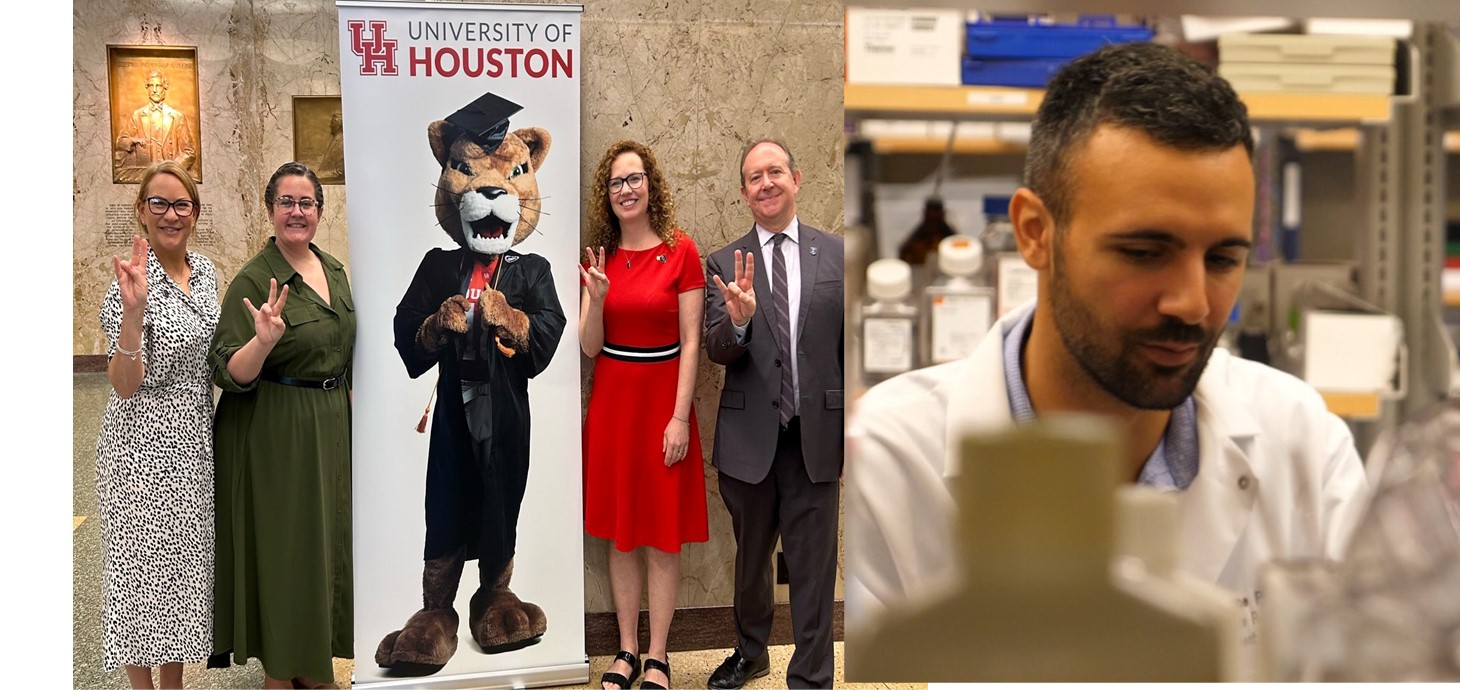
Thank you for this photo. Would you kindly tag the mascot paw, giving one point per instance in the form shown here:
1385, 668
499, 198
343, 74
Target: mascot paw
428, 639
512, 324
501, 622
449, 317
452, 314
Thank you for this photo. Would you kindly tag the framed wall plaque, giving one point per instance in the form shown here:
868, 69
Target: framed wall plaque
154, 109
319, 137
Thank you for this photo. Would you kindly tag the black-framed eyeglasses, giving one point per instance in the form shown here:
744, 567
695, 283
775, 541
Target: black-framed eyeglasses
182, 207
306, 205
634, 181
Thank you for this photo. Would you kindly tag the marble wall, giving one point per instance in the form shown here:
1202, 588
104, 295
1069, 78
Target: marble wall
694, 81
691, 80
253, 56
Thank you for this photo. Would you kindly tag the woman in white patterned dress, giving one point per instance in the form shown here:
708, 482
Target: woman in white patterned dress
154, 458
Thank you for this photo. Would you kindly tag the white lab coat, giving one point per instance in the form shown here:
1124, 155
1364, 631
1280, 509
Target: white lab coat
1279, 477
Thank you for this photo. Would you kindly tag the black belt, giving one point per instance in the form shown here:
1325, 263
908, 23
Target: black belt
328, 384
629, 353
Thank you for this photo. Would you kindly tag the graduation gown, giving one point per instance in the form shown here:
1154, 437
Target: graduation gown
473, 496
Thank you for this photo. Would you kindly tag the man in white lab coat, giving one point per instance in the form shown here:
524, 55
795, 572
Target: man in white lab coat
1137, 214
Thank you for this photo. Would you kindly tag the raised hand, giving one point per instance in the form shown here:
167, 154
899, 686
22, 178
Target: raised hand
132, 277
740, 295
593, 276
268, 320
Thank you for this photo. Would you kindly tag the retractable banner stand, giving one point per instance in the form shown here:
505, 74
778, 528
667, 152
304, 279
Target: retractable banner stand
461, 128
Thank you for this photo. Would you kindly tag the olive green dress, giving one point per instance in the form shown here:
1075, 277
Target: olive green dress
284, 580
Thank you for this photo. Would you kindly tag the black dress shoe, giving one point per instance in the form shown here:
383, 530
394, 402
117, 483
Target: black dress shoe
737, 670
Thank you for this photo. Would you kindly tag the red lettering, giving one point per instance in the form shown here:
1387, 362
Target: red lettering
536, 63
466, 66
423, 61
440, 62
542, 63
496, 65
561, 65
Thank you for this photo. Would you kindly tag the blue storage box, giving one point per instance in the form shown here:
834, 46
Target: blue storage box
1031, 73
1003, 38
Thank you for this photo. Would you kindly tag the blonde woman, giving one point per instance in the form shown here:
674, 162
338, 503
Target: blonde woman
154, 457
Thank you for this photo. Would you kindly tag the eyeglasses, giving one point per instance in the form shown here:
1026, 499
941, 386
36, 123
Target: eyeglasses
306, 205
182, 207
634, 181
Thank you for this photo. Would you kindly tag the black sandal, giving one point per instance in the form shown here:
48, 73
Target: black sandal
652, 664
618, 678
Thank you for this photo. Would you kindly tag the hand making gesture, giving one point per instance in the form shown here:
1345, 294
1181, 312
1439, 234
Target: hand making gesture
268, 320
132, 277
593, 276
740, 295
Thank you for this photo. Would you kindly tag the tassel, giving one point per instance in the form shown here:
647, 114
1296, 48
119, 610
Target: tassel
421, 425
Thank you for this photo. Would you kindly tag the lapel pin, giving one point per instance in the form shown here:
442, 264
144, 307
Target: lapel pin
813, 250
662, 259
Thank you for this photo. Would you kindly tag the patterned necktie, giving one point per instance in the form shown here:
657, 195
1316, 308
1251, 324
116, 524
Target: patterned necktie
783, 328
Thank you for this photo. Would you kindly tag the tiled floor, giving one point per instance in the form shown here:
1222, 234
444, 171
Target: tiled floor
691, 669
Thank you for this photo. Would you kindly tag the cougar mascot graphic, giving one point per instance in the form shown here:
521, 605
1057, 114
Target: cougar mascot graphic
488, 318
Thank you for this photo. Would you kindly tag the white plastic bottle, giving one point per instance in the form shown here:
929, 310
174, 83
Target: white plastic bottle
889, 321
1148, 544
1037, 600
1014, 282
956, 311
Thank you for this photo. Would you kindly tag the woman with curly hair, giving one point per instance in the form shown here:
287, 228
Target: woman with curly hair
644, 336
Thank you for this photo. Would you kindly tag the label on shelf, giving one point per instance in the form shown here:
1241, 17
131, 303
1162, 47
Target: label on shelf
1002, 98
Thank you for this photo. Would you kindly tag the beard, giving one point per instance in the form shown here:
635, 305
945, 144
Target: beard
1112, 357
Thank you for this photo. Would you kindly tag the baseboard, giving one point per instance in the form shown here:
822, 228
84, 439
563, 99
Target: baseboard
87, 364
700, 627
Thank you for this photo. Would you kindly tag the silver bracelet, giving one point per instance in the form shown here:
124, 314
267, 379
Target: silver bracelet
131, 354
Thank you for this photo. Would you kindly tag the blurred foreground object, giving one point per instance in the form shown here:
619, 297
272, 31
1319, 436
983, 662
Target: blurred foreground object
1039, 600
1391, 610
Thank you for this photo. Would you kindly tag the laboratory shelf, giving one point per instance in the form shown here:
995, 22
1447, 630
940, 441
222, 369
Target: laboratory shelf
971, 146
1007, 103
1347, 139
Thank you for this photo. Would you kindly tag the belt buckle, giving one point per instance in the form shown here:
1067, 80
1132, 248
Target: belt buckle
332, 382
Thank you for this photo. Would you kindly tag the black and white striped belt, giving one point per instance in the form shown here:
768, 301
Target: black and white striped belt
628, 353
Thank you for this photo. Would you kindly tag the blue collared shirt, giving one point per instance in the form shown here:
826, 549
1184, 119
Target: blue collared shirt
1172, 465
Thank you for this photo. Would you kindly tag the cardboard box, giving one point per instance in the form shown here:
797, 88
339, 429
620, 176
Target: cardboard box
904, 47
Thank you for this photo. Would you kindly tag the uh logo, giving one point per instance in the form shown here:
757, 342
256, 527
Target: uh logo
377, 53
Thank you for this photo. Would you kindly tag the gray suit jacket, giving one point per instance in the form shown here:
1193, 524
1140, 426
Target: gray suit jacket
747, 427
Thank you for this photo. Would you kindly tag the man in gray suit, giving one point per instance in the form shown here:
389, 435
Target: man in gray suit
778, 441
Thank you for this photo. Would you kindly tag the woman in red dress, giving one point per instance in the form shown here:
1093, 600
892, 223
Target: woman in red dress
644, 476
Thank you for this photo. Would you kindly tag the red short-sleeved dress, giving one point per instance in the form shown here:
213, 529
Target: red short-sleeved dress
629, 496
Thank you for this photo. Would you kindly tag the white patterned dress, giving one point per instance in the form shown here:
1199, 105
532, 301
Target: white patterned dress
154, 479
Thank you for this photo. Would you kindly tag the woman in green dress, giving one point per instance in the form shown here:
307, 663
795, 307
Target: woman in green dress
281, 354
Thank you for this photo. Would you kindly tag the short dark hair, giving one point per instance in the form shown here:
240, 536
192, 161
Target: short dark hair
1153, 89
745, 152
289, 170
